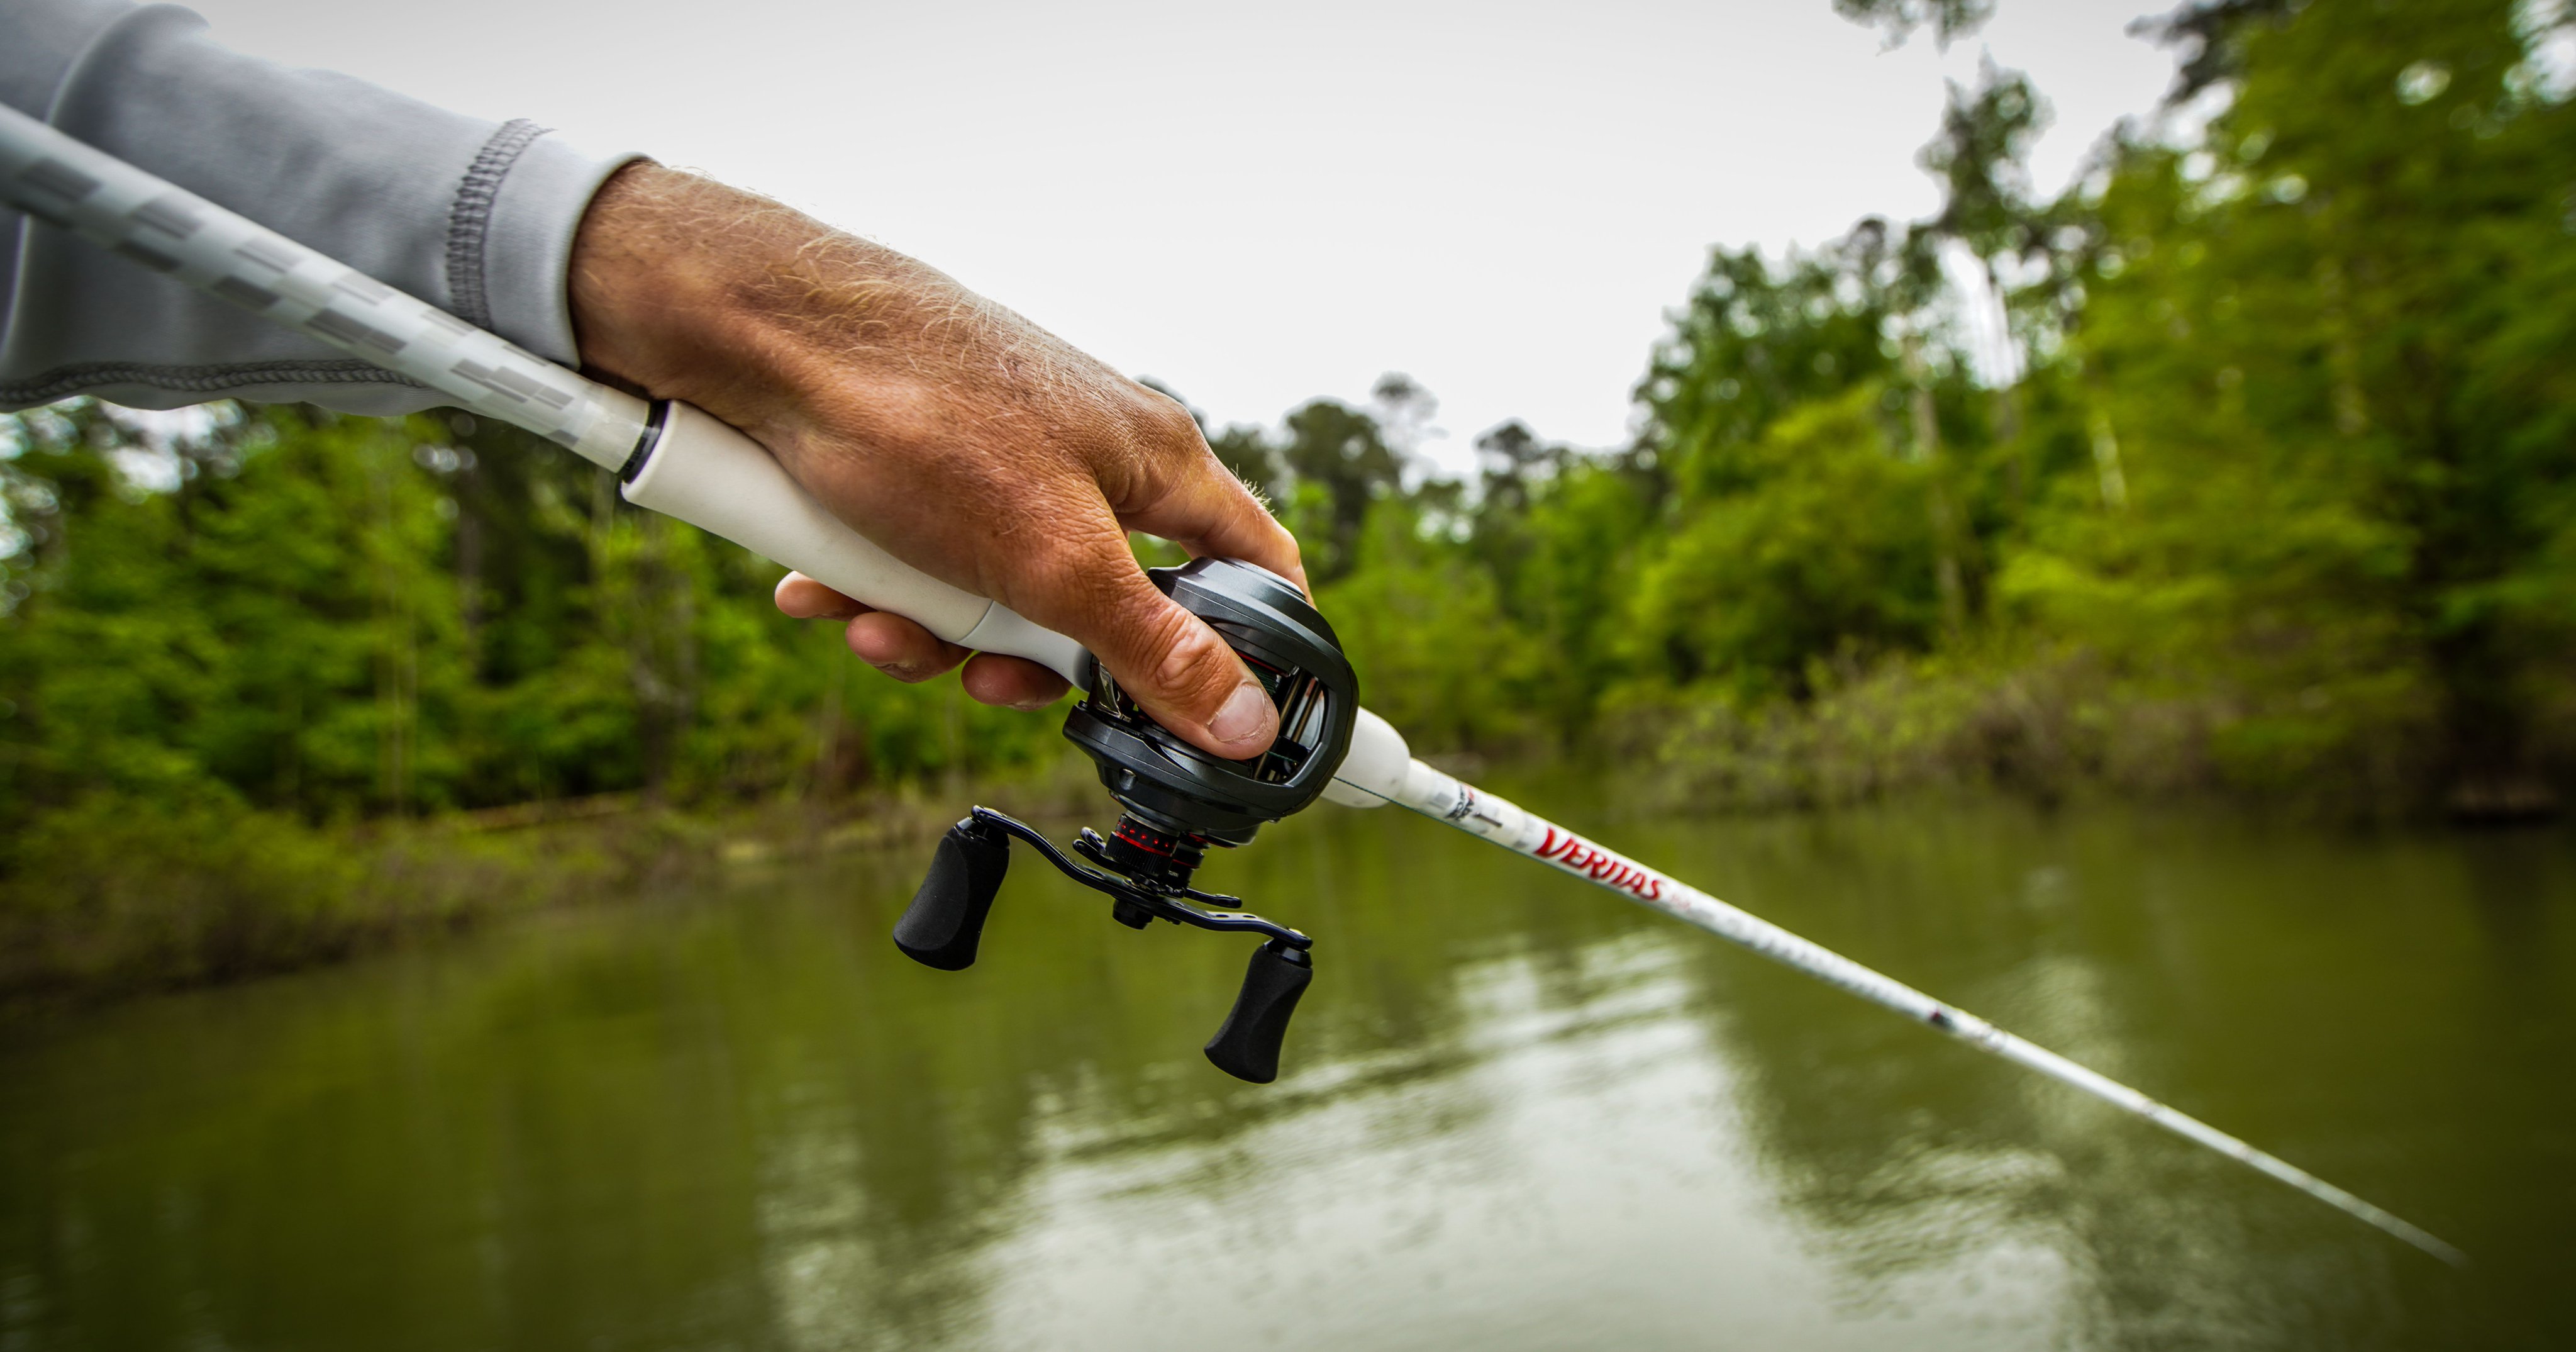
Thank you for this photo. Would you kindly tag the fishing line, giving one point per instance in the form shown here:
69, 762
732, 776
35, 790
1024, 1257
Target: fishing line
1177, 801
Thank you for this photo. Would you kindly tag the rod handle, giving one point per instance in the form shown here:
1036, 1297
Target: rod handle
715, 478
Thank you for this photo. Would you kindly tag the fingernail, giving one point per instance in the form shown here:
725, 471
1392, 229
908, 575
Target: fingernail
1246, 717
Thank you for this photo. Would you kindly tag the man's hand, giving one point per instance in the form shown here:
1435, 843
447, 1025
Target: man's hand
969, 442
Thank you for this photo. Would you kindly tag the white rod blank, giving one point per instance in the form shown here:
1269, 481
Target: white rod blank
1447, 799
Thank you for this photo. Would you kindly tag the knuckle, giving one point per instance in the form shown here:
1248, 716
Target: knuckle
1172, 427
1163, 443
1160, 419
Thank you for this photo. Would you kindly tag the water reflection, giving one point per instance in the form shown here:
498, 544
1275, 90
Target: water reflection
1518, 1115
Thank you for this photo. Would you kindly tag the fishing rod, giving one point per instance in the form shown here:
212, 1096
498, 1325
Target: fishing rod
1177, 801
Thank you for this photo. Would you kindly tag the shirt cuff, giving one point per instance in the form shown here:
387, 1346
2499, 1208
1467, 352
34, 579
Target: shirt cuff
510, 236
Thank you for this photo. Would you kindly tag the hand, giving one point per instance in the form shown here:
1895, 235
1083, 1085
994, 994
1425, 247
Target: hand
967, 441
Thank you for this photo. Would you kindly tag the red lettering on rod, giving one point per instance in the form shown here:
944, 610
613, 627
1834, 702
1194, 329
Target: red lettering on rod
1569, 852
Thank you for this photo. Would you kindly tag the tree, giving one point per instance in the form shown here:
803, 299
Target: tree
1829, 555
2327, 340
1341, 465
1899, 18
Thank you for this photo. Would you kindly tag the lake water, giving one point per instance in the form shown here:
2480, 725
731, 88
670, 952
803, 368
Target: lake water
1517, 1113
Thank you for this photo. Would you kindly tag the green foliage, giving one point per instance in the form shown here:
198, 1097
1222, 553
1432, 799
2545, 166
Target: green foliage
1825, 549
1977, 159
1756, 342
2282, 452
2328, 347
1340, 464
1899, 18
339, 618
278, 621
1426, 629
114, 892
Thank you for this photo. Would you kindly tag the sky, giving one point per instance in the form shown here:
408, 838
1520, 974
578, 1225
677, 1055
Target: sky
1262, 204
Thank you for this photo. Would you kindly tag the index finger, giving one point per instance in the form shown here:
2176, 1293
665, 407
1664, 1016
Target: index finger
1210, 512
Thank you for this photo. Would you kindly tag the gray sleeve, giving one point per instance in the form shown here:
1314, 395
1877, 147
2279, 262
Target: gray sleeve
472, 216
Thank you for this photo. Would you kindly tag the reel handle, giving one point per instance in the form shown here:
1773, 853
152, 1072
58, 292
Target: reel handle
1247, 1045
946, 919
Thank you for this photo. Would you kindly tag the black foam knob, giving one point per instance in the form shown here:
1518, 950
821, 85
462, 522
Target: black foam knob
1247, 1047
946, 918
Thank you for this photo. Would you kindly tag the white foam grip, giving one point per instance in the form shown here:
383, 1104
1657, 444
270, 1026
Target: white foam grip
715, 478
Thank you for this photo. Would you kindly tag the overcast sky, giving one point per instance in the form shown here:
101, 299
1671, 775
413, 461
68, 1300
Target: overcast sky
1259, 204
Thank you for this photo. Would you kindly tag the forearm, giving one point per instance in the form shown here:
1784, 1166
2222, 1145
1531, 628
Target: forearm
689, 289
472, 216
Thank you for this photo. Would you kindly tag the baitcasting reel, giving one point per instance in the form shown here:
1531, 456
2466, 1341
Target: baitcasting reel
1178, 801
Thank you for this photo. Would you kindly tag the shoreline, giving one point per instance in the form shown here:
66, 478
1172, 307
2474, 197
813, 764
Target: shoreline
122, 904
128, 903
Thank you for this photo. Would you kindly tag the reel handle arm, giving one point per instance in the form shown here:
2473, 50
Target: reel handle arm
946, 920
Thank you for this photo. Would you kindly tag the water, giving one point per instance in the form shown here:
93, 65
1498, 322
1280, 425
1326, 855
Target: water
1518, 1113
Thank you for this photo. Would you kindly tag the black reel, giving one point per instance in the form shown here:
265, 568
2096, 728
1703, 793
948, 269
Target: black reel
1177, 802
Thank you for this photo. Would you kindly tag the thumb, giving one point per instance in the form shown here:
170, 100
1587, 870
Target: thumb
1173, 664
